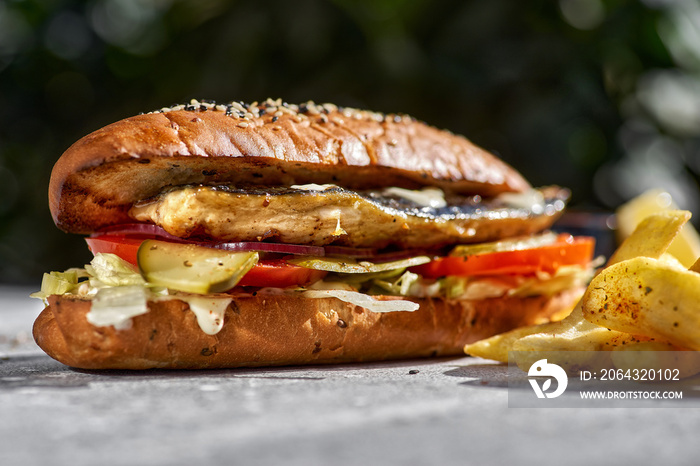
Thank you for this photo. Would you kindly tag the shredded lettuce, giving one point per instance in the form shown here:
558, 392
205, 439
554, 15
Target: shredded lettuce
111, 270
117, 305
117, 290
564, 278
59, 283
452, 286
401, 286
364, 300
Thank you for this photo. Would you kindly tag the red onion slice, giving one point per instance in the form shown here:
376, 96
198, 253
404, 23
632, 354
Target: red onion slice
372, 254
346, 251
144, 229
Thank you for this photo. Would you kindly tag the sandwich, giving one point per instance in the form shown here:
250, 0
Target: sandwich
231, 235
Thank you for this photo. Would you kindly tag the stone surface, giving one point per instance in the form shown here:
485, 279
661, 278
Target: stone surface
433, 411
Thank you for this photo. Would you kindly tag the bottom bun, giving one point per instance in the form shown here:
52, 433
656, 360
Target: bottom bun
266, 330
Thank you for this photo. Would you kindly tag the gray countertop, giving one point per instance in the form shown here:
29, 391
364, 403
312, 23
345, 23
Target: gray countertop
433, 411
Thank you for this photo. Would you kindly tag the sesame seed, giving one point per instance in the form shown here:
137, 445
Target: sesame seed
277, 108
242, 124
237, 106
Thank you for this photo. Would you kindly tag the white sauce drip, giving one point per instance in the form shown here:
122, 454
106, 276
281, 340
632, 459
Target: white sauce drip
426, 197
313, 187
209, 312
531, 199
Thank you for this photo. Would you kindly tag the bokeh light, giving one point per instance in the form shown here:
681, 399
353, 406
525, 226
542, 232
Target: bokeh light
601, 96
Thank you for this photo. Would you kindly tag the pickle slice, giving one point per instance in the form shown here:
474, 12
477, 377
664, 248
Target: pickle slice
192, 268
349, 265
515, 244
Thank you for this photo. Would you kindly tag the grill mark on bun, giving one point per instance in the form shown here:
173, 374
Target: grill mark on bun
335, 155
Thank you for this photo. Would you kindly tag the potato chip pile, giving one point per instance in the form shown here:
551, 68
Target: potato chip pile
642, 309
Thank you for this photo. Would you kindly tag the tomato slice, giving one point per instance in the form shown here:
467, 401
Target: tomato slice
567, 250
123, 246
275, 273
280, 274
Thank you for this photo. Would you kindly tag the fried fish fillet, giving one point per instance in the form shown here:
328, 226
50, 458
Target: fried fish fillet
334, 215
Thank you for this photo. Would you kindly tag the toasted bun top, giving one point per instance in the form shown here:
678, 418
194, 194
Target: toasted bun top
99, 177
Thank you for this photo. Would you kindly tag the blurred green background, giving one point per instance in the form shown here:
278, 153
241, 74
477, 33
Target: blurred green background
602, 96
